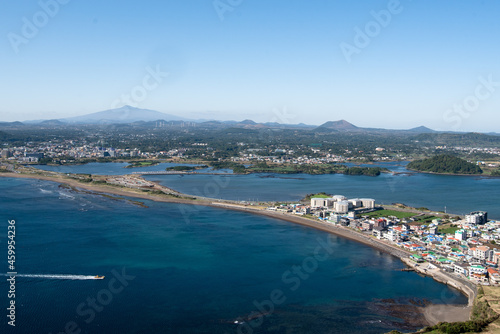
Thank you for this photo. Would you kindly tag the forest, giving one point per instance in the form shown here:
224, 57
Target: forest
445, 164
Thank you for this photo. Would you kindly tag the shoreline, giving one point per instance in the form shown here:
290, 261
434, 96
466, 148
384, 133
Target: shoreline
452, 174
433, 313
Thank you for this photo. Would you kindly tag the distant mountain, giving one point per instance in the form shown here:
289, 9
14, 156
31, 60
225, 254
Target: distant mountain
421, 129
51, 122
125, 114
11, 124
247, 122
149, 118
341, 125
345, 126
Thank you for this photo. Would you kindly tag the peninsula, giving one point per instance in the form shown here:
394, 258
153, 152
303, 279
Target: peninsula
137, 187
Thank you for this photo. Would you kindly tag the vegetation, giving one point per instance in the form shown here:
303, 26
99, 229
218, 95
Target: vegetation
181, 168
448, 229
141, 163
389, 213
425, 218
369, 171
481, 316
445, 164
318, 195
313, 169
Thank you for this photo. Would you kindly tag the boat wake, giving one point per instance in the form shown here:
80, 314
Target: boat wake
48, 276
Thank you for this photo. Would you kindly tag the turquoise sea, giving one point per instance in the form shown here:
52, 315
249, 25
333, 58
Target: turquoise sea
186, 269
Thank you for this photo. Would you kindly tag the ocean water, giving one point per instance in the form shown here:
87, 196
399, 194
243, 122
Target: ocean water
189, 269
107, 168
455, 194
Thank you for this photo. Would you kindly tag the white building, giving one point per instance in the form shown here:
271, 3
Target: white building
318, 202
461, 235
368, 203
341, 207
478, 217
356, 202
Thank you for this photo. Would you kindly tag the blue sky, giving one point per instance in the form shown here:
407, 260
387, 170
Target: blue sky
432, 63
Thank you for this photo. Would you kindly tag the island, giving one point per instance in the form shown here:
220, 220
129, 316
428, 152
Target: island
304, 168
445, 164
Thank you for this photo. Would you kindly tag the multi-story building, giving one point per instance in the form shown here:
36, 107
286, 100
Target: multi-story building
477, 217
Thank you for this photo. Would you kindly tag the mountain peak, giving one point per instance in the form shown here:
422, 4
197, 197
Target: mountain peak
421, 129
339, 125
124, 114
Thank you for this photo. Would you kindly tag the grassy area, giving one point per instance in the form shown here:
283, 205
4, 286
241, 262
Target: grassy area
144, 163
447, 229
320, 195
492, 295
426, 218
387, 213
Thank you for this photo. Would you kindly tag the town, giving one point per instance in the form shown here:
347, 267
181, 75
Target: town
465, 246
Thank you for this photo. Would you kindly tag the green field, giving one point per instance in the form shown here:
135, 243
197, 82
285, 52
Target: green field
426, 218
387, 213
447, 229
321, 196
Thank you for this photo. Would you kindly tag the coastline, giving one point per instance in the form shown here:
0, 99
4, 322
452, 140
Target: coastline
433, 313
452, 174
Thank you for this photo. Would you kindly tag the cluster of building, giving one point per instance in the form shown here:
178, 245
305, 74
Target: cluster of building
469, 252
329, 207
63, 151
252, 156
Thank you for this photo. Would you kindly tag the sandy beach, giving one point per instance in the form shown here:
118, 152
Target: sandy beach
433, 313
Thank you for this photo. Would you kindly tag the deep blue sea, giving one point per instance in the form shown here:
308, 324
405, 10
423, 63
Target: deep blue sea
186, 269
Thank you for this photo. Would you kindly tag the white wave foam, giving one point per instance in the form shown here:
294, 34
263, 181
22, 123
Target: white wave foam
66, 195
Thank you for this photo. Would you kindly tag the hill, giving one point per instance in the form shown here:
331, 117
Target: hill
125, 114
445, 164
341, 125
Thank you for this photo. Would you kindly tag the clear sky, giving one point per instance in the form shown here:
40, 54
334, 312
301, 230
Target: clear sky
391, 64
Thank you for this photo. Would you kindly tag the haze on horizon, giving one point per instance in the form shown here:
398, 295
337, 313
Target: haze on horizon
386, 64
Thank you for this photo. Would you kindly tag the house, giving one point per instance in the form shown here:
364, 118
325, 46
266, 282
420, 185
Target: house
461, 235
477, 269
416, 247
460, 268
481, 253
416, 258
367, 225
378, 232
493, 276
391, 235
